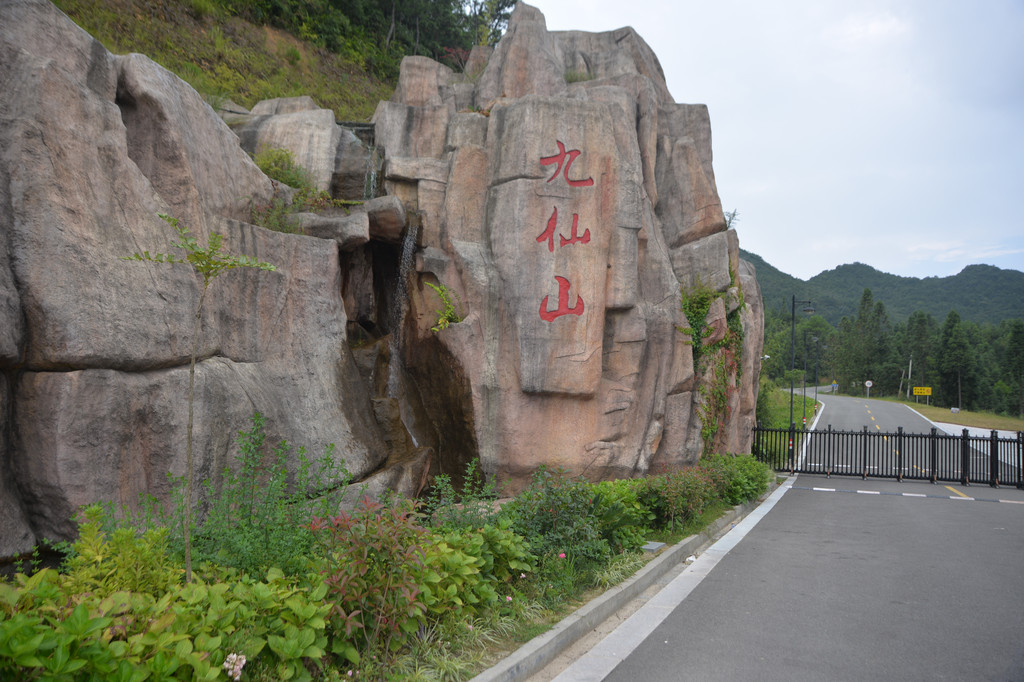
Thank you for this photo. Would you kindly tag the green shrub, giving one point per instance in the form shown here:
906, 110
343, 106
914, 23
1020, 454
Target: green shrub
558, 516
451, 581
677, 497
623, 519
261, 515
372, 563
123, 560
745, 478
279, 165
51, 630
465, 568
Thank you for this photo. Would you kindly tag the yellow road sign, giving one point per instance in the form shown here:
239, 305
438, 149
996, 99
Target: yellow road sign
922, 390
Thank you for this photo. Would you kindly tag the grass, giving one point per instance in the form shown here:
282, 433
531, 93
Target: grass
775, 414
981, 420
225, 57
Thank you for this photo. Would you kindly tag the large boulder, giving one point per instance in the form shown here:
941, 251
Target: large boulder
565, 216
94, 350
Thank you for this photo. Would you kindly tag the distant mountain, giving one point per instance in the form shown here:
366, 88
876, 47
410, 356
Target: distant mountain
980, 293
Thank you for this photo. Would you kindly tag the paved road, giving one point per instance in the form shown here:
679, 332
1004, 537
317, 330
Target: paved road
835, 584
841, 579
845, 413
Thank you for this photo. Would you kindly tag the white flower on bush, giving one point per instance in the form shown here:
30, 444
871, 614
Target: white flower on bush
233, 664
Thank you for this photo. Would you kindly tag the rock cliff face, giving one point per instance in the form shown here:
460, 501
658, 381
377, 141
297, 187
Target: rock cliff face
566, 219
569, 218
94, 350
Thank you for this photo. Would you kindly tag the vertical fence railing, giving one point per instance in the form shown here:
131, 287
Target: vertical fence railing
932, 456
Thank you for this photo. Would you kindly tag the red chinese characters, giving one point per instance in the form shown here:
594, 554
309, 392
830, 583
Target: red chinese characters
564, 160
563, 302
548, 235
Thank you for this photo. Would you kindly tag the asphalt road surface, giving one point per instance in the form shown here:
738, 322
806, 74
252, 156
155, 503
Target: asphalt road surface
856, 580
844, 413
842, 579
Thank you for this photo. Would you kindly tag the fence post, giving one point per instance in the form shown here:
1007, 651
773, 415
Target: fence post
829, 448
933, 445
792, 460
1020, 459
965, 458
864, 451
899, 454
993, 459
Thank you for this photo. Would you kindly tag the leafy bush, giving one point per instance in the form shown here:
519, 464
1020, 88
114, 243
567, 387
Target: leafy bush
279, 165
101, 563
464, 568
742, 478
50, 629
261, 515
372, 561
623, 518
677, 497
558, 516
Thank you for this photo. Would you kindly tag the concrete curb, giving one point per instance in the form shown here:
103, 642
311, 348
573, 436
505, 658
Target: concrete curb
542, 649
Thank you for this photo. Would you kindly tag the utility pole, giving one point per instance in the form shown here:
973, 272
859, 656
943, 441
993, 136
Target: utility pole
910, 375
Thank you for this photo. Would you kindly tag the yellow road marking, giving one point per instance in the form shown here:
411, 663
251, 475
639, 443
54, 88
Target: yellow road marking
951, 488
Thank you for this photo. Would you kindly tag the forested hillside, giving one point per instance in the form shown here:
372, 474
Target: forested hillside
962, 336
345, 54
979, 293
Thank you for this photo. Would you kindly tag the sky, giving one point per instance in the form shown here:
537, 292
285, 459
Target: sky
887, 132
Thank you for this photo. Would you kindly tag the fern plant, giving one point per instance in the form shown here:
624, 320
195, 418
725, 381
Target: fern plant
448, 313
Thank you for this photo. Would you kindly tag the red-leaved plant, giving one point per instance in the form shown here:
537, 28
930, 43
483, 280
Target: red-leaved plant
373, 558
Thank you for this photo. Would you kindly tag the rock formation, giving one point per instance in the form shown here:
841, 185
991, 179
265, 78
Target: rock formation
568, 217
94, 350
555, 189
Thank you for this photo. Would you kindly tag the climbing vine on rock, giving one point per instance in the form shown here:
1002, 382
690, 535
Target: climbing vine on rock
717, 363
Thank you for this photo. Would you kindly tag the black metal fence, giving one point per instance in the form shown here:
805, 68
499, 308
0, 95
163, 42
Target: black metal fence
934, 456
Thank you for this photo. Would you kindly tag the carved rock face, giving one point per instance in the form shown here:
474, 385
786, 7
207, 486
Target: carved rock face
566, 217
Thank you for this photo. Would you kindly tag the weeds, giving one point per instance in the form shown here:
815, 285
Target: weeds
209, 263
279, 165
261, 514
